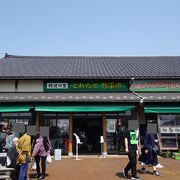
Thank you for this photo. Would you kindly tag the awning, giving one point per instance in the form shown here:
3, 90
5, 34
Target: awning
15, 108
162, 109
84, 108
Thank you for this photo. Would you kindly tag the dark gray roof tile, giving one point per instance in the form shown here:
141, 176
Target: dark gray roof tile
84, 67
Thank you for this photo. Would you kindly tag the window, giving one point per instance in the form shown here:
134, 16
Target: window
167, 120
58, 129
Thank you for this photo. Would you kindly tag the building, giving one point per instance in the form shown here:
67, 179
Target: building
92, 97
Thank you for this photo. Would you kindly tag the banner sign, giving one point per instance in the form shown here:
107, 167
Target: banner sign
111, 125
156, 86
169, 130
86, 86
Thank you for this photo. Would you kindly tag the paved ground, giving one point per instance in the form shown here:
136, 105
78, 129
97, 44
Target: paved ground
93, 168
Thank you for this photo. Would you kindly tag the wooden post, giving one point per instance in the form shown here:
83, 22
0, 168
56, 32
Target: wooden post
70, 152
37, 121
104, 148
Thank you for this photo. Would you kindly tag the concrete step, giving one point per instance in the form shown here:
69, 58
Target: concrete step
6, 177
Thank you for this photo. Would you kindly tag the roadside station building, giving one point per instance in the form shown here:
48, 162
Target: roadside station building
92, 96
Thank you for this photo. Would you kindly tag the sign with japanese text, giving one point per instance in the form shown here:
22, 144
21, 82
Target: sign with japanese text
86, 86
170, 130
156, 86
111, 125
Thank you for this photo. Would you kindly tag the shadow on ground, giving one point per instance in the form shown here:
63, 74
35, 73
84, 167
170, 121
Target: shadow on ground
140, 172
120, 175
32, 175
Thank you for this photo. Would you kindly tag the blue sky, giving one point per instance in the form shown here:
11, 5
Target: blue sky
90, 27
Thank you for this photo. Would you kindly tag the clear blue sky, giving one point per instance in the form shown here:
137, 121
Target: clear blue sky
90, 27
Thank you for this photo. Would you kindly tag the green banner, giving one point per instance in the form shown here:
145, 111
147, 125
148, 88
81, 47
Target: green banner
86, 86
156, 86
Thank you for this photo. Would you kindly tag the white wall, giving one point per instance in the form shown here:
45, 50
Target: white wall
30, 86
7, 85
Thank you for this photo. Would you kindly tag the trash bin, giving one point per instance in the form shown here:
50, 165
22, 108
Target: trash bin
57, 154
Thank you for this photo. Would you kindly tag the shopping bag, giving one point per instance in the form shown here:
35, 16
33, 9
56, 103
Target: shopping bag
8, 161
33, 165
49, 159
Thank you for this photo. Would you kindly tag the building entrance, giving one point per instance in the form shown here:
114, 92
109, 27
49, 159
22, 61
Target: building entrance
89, 130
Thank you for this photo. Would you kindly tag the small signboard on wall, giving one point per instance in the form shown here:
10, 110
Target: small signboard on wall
44, 131
169, 130
111, 125
133, 124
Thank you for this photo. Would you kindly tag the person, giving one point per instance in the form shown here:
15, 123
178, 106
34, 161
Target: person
24, 149
5, 126
41, 148
9, 139
89, 141
12, 154
131, 147
4, 132
120, 139
149, 154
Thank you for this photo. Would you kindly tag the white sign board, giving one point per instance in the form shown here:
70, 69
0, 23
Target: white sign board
111, 125
57, 154
169, 130
101, 139
57, 85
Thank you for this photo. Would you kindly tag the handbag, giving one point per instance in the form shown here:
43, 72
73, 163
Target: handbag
33, 165
8, 161
49, 159
156, 148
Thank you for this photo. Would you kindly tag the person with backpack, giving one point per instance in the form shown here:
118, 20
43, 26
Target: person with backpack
11, 159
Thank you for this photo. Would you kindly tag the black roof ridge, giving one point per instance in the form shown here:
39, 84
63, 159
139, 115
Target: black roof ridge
88, 56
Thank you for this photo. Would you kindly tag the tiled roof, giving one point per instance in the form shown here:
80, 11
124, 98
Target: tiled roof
89, 67
88, 97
